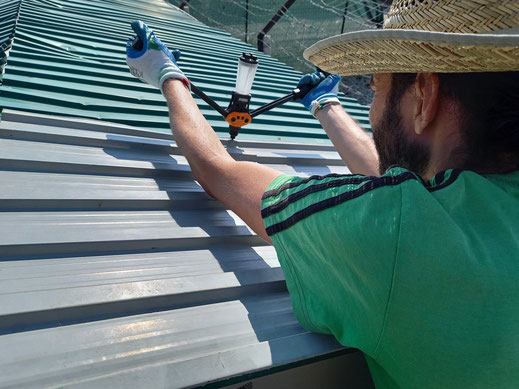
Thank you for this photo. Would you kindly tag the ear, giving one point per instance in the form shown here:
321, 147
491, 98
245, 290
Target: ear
426, 92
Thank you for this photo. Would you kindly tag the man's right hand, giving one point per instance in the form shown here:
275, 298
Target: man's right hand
354, 145
323, 89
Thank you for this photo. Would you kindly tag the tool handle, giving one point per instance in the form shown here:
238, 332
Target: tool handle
208, 100
296, 94
303, 90
274, 104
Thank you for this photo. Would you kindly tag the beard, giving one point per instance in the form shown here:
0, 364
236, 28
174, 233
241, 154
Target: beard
392, 144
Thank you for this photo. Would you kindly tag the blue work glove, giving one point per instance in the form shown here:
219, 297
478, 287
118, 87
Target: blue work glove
324, 89
153, 62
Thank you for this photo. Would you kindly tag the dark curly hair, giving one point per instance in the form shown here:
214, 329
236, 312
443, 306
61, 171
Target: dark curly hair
489, 109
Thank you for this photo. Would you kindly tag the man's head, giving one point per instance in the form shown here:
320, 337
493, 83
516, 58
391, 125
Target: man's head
457, 50
428, 122
392, 129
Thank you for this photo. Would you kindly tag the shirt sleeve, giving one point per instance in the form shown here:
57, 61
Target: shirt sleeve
336, 237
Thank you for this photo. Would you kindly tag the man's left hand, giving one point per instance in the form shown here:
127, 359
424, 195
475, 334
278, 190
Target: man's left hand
153, 63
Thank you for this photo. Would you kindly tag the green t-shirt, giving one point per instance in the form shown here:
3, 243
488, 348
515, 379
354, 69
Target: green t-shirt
422, 277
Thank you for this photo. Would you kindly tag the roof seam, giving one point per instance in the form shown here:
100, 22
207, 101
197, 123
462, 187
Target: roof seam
7, 42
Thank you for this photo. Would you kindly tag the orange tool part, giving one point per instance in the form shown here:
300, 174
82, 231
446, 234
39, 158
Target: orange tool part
238, 119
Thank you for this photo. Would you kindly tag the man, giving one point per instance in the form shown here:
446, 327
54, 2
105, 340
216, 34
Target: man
417, 267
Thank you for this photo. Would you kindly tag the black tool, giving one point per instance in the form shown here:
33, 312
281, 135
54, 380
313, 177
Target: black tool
237, 118
237, 113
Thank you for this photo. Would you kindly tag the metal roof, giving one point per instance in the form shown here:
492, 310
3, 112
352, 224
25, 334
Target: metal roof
68, 58
115, 267
8, 15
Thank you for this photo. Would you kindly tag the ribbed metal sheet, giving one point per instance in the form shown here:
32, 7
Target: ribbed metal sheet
116, 269
68, 58
8, 17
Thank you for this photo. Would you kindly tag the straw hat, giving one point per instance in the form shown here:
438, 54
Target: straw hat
442, 36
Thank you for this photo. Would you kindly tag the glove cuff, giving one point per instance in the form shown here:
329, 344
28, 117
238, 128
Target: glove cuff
321, 101
172, 72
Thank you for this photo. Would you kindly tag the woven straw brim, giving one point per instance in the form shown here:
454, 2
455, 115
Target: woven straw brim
409, 51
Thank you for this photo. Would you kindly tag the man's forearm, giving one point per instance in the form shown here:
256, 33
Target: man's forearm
193, 134
238, 185
354, 145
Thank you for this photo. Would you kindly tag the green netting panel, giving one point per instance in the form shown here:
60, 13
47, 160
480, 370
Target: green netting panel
305, 22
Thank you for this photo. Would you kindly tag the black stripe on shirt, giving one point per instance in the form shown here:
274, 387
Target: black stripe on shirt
336, 200
453, 177
275, 192
275, 208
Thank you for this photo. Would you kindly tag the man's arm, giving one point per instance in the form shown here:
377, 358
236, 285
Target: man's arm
353, 144
239, 185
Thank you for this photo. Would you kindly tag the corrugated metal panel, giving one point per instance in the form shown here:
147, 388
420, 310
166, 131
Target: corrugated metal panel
117, 269
8, 15
68, 58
